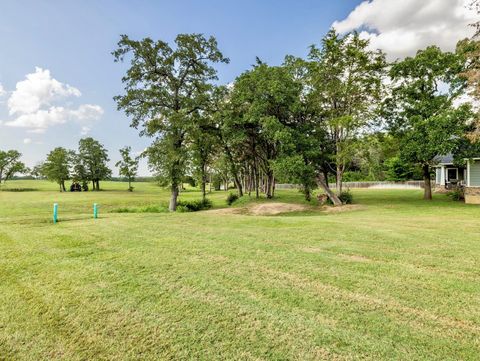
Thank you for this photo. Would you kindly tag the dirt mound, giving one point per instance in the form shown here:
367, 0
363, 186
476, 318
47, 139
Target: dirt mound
269, 209
275, 208
263, 209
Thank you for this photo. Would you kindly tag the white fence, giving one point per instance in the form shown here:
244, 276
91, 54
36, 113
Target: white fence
372, 185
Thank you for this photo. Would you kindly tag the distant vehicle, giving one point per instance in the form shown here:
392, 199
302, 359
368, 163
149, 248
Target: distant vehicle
75, 187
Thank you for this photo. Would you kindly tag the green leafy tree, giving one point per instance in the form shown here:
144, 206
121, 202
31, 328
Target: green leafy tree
346, 81
128, 166
164, 87
56, 167
10, 164
92, 158
202, 148
263, 100
421, 114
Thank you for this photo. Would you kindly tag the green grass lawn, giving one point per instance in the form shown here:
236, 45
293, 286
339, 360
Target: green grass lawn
398, 278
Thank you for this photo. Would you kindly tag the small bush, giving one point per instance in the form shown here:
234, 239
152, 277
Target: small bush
346, 197
231, 198
182, 209
457, 194
194, 206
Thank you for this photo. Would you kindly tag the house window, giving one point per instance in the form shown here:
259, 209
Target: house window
452, 174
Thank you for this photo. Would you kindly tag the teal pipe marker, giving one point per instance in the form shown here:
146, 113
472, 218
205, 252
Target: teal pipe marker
95, 210
55, 212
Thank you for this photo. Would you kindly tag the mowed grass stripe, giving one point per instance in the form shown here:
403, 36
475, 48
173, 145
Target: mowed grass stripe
368, 284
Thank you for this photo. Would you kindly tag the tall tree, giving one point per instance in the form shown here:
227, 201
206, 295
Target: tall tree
10, 164
421, 111
93, 157
202, 147
263, 100
346, 80
164, 87
127, 166
56, 167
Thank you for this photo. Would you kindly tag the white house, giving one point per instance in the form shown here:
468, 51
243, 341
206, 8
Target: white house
472, 181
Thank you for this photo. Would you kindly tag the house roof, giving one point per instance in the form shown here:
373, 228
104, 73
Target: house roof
445, 159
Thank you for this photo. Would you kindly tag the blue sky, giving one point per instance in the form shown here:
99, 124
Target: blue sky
74, 39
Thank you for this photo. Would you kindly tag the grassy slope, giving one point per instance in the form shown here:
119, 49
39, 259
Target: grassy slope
399, 279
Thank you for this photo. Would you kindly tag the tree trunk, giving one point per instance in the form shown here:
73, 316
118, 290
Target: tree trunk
93, 185
427, 190
98, 184
323, 184
60, 186
172, 207
63, 186
339, 177
269, 184
233, 170
203, 186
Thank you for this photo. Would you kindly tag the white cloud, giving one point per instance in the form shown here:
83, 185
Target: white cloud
400, 28
2, 90
85, 130
36, 131
87, 112
27, 141
40, 101
37, 90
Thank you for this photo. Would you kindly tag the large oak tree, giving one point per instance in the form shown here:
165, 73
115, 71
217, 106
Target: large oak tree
165, 87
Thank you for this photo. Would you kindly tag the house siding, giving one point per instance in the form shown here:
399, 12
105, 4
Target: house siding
475, 173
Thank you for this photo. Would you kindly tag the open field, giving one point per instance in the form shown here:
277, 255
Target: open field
396, 278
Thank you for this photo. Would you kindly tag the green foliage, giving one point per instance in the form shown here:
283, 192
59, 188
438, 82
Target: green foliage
56, 167
424, 118
346, 81
91, 162
231, 198
458, 194
10, 164
396, 169
127, 166
165, 89
194, 206
346, 197
191, 181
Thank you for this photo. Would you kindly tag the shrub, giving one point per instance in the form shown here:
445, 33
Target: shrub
194, 206
346, 197
231, 198
457, 194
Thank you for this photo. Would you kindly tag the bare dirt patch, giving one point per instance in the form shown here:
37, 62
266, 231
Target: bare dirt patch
276, 208
355, 258
269, 209
264, 209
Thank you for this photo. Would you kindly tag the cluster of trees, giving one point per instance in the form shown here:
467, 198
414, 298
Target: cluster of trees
87, 164
306, 121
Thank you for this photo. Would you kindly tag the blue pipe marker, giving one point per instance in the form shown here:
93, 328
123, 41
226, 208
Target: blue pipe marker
95, 210
55, 212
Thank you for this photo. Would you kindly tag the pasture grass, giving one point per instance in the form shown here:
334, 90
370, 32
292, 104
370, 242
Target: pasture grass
398, 278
